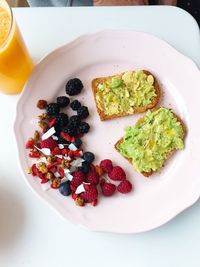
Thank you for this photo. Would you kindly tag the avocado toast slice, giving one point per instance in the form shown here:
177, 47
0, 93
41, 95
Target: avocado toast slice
125, 93
152, 140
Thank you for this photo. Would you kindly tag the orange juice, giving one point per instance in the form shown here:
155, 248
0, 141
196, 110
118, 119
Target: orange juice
15, 62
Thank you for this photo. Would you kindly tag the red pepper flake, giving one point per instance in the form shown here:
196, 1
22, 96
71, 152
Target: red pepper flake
70, 153
34, 170
73, 139
41, 175
30, 143
34, 154
54, 186
52, 164
74, 196
61, 172
65, 151
76, 153
44, 181
53, 169
52, 122
56, 151
59, 160
66, 136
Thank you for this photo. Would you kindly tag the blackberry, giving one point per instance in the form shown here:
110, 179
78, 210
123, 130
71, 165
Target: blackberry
58, 130
73, 86
75, 105
63, 101
52, 109
83, 128
88, 157
70, 129
75, 120
83, 112
61, 119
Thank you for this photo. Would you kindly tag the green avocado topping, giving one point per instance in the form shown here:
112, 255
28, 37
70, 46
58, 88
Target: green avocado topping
149, 142
124, 93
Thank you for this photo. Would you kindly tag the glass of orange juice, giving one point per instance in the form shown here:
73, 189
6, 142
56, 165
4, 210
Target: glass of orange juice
15, 62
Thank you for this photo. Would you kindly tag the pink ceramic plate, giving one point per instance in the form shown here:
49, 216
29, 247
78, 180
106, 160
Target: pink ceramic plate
155, 200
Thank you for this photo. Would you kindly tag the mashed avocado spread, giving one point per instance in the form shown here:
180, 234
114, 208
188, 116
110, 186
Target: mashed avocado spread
148, 142
124, 93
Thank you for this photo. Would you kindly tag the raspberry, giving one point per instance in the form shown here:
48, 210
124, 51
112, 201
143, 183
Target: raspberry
124, 187
92, 177
106, 165
108, 189
83, 128
90, 195
78, 178
117, 174
73, 86
48, 143
42, 104
75, 105
52, 109
30, 143
63, 101
83, 112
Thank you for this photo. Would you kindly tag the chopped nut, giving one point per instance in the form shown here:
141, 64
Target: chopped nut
50, 159
41, 104
29, 171
56, 182
42, 124
42, 167
50, 176
36, 136
43, 116
99, 170
65, 164
79, 202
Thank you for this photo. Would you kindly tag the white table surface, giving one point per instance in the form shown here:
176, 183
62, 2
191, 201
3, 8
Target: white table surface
32, 234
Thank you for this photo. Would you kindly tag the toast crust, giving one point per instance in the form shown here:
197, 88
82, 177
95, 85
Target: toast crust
147, 174
103, 116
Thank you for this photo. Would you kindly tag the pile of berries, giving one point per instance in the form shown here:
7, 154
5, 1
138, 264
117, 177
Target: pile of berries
59, 161
86, 187
74, 125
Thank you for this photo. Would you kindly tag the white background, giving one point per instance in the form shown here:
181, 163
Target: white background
32, 234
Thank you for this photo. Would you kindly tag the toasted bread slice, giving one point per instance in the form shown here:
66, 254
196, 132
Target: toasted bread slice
135, 109
168, 154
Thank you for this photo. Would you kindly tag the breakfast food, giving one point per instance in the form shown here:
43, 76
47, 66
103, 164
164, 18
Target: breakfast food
152, 140
126, 93
58, 158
